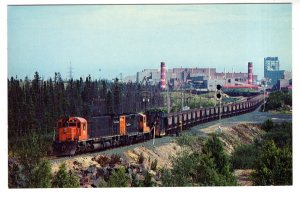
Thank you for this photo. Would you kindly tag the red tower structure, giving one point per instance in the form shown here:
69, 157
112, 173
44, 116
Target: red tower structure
250, 74
163, 75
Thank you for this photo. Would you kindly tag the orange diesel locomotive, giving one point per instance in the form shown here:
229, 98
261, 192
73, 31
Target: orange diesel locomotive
76, 135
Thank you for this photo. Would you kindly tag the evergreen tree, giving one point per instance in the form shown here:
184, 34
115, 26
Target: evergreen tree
148, 180
118, 178
273, 166
109, 103
41, 175
64, 179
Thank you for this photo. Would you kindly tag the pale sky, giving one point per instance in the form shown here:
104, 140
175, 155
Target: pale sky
129, 38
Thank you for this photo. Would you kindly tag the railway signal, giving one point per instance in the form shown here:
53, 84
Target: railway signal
219, 97
218, 94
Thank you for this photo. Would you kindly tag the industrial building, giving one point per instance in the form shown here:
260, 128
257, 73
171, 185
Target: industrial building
271, 70
204, 79
277, 79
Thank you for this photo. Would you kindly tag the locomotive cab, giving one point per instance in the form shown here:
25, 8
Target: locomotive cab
71, 129
69, 132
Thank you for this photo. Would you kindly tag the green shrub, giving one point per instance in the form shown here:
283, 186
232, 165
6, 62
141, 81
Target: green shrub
268, 125
244, 157
64, 179
42, 175
281, 134
33, 171
214, 148
118, 178
166, 178
102, 183
207, 166
273, 166
135, 181
148, 182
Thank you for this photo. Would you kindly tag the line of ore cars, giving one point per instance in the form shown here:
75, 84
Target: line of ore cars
77, 135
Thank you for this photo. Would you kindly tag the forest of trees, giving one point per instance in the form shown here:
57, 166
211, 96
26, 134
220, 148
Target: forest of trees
35, 105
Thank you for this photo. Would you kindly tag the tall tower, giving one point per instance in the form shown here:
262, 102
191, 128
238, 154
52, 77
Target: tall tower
163, 76
250, 73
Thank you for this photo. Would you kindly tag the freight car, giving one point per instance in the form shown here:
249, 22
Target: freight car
77, 135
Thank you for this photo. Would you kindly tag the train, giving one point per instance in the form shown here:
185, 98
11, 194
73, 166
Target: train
74, 135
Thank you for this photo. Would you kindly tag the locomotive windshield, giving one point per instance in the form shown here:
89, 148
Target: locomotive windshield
67, 124
72, 124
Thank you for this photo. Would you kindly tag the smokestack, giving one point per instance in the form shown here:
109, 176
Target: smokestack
250, 66
163, 76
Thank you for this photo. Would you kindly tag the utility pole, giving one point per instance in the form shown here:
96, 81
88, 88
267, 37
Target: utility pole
264, 84
70, 71
181, 98
154, 133
220, 108
168, 98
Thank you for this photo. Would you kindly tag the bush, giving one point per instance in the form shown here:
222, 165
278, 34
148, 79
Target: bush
102, 183
114, 159
103, 160
244, 157
135, 181
180, 175
268, 125
33, 171
118, 178
281, 134
273, 166
148, 182
166, 178
214, 148
209, 166
42, 175
64, 179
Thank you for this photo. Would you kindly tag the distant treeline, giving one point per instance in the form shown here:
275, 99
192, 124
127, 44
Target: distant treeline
35, 105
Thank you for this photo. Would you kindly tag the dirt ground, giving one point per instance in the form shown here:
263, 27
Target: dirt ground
243, 177
161, 153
